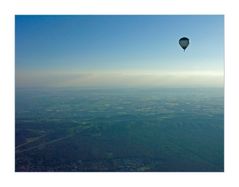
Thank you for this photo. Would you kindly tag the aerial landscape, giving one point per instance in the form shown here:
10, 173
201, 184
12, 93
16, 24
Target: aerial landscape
119, 93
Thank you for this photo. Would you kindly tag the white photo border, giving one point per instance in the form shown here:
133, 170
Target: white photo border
10, 8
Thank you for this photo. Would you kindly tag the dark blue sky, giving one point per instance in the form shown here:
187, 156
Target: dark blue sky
118, 43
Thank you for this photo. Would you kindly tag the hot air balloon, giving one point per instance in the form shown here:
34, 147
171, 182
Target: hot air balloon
184, 42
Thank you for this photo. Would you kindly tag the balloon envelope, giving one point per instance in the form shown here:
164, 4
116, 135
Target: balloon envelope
184, 42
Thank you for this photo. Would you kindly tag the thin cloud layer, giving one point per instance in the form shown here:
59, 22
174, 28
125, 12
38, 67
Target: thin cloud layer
119, 79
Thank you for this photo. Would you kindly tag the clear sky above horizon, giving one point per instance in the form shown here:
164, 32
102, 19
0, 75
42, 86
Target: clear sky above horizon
119, 50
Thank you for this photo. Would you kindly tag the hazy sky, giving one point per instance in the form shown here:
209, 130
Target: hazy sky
119, 51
